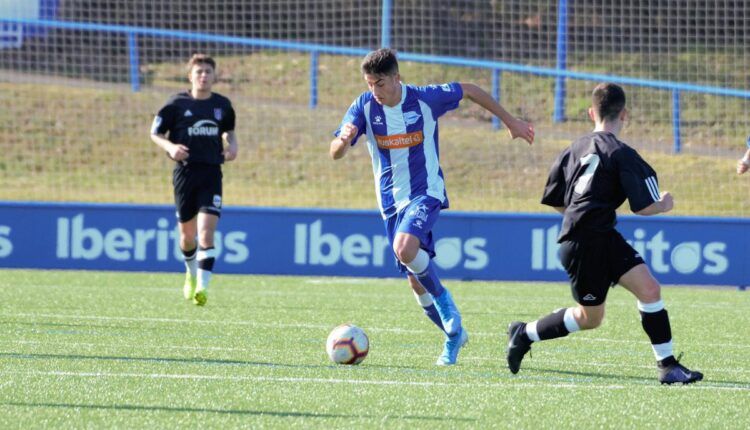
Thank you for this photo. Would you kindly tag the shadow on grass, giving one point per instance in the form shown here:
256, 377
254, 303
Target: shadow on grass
155, 360
643, 380
228, 411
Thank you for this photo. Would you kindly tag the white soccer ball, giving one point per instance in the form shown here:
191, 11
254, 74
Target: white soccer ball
347, 344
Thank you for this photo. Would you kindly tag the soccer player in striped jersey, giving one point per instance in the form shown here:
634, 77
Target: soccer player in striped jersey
400, 123
587, 183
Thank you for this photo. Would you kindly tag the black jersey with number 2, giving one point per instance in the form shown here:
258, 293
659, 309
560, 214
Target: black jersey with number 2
197, 124
592, 178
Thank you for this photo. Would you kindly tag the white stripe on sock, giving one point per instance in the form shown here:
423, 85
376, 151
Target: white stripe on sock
570, 321
531, 331
424, 300
650, 307
662, 350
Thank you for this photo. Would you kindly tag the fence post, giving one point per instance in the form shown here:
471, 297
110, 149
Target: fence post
496, 79
385, 24
562, 59
313, 79
676, 121
135, 83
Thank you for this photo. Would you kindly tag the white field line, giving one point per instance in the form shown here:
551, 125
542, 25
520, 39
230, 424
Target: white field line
473, 358
328, 327
297, 380
553, 302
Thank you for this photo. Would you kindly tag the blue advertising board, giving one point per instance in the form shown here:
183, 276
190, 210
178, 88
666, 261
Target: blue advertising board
488, 246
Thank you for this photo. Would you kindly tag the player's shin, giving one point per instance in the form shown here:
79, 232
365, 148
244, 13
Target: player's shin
426, 302
559, 323
191, 265
421, 268
655, 322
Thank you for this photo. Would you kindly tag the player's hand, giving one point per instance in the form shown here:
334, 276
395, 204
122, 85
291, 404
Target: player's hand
667, 201
348, 131
178, 152
742, 166
230, 153
522, 129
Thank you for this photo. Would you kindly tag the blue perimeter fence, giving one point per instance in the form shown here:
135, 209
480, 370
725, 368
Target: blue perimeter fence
560, 72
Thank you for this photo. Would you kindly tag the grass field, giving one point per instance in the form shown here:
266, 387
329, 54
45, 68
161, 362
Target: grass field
102, 350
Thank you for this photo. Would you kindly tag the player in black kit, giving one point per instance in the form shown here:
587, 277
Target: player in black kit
587, 183
196, 128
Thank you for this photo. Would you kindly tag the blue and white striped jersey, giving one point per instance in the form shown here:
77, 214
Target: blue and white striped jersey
403, 142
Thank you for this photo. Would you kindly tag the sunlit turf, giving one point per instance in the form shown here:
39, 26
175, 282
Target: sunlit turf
101, 350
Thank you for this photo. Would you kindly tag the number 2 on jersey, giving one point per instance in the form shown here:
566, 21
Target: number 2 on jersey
592, 160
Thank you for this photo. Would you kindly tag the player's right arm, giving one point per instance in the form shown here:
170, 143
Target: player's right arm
352, 126
341, 143
163, 123
176, 151
664, 204
743, 164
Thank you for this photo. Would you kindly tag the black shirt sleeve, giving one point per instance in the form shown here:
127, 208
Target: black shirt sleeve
638, 180
165, 119
554, 191
227, 123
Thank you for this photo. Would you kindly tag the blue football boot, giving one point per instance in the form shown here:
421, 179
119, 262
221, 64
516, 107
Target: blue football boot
451, 347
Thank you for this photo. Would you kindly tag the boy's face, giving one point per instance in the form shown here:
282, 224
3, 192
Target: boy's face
202, 77
385, 88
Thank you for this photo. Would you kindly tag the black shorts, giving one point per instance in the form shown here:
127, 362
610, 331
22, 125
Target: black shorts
197, 188
596, 263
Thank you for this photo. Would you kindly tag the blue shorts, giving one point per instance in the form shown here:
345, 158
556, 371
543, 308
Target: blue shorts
416, 219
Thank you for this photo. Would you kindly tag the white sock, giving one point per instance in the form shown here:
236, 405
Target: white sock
204, 277
192, 267
424, 300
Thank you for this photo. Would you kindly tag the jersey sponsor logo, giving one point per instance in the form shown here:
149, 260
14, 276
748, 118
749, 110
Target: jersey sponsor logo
399, 141
188, 113
218, 114
204, 127
411, 117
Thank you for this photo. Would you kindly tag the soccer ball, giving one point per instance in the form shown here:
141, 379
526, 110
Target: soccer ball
347, 344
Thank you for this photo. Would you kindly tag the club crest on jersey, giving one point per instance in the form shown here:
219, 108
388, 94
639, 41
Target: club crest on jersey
411, 117
420, 213
218, 114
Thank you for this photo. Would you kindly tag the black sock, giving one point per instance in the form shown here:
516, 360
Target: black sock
656, 325
207, 263
552, 326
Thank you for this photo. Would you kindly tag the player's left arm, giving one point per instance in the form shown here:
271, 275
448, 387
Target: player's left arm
516, 126
743, 164
641, 185
230, 141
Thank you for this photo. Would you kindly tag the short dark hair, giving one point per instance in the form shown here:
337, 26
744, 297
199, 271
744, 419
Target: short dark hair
200, 59
380, 62
608, 100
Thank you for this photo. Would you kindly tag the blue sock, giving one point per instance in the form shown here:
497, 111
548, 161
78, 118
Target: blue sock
426, 302
434, 316
430, 281
423, 269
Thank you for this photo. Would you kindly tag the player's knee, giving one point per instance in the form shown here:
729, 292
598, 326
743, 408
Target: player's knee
588, 320
404, 253
651, 292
